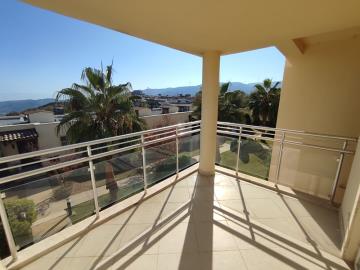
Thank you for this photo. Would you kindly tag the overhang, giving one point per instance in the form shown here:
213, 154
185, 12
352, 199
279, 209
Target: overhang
229, 26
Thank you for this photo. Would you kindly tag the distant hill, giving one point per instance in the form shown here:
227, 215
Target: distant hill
21, 105
26, 104
192, 90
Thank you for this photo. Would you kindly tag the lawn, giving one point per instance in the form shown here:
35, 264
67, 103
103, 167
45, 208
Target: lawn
255, 166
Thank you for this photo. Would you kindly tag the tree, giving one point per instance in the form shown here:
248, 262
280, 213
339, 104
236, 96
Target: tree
98, 110
231, 105
231, 108
264, 103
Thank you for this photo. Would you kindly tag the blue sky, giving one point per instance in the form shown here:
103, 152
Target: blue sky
42, 52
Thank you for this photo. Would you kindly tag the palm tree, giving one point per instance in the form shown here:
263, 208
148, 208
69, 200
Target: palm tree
264, 103
98, 109
231, 105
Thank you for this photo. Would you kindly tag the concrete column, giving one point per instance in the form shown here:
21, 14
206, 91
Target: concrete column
209, 112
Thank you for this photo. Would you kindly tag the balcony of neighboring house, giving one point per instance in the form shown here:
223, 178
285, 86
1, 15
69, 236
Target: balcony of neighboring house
137, 201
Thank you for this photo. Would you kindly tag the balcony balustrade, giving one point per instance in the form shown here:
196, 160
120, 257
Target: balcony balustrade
46, 192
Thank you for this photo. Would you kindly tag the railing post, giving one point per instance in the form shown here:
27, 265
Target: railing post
238, 151
177, 151
337, 175
280, 158
144, 162
7, 229
93, 183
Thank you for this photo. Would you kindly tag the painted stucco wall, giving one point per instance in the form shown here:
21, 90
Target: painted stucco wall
46, 132
320, 93
155, 121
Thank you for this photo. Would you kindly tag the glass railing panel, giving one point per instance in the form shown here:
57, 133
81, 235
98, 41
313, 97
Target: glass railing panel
189, 150
119, 176
226, 152
42, 205
254, 157
160, 161
308, 170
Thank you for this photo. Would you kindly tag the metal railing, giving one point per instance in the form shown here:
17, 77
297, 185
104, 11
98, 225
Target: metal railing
343, 145
18, 169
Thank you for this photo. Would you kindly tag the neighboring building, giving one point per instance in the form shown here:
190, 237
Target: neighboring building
13, 120
41, 117
41, 132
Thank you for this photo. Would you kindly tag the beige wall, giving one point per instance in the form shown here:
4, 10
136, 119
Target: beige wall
42, 117
46, 132
321, 89
155, 121
350, 210
48, 137
321, 94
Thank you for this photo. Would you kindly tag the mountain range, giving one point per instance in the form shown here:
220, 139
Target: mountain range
192, 90
21, 105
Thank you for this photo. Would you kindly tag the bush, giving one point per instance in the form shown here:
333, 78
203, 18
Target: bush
248, 147
170, 163
21, 214
62, 191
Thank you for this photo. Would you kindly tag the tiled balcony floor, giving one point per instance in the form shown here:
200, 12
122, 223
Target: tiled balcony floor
208, 223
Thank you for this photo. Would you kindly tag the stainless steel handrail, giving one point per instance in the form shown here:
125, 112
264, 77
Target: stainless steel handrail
242, 131
85, 144
154, 136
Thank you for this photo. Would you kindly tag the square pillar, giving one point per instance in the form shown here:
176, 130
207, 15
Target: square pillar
209, 112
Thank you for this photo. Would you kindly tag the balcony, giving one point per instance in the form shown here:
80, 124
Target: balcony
137, 201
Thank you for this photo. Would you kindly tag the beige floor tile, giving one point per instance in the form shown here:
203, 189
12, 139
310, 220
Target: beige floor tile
177, 261
147, 212
177, 238
121, 218
323, 235
229, 260
236, 205
212, 232
265, 208
256, 259
148, 262
179, 195
214, 237
204, 211
286, 226
79, 263
227, 193
99, 241
204, 193
243, 234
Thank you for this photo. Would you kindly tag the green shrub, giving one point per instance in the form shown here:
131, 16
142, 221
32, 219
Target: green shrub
21, 214
62, 191
170, 163
248, 147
